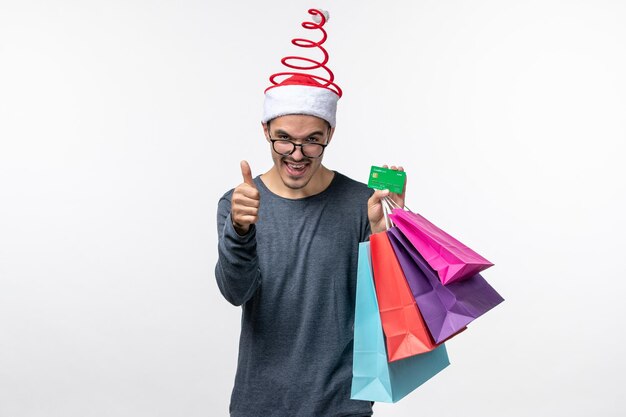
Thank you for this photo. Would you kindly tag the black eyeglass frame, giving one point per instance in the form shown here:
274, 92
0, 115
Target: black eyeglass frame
295, 145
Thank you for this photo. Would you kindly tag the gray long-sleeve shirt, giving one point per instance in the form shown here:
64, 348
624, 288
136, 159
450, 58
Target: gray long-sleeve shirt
294, 274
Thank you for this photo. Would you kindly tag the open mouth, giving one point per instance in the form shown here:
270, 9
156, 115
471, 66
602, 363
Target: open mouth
296, 169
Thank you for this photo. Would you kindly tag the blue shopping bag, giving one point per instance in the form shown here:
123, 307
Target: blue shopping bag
373, 378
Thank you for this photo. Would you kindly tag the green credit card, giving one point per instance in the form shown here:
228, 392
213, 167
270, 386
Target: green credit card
387, 179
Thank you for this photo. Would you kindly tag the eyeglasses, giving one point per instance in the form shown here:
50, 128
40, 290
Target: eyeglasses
286, 147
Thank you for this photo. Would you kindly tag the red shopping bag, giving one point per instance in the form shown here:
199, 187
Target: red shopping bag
406, 333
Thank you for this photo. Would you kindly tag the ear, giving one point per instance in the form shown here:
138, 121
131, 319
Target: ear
330, 134
266, 131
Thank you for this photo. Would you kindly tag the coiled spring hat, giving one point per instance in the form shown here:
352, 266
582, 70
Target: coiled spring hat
299, 91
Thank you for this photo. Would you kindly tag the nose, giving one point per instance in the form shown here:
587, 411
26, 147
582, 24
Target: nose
297, 154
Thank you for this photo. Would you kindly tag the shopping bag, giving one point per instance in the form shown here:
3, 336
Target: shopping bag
452, 260
373, 378
405, 331
446, 309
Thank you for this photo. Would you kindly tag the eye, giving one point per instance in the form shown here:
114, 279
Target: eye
283, 137
312, 139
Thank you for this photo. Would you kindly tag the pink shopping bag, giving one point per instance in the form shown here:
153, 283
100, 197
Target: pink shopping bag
452, 260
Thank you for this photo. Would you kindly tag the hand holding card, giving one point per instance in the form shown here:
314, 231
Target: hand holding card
386, 182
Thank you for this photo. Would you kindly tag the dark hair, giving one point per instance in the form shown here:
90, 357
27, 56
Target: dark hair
328, 126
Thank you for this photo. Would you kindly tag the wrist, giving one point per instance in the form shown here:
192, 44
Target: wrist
377, 228
241, 230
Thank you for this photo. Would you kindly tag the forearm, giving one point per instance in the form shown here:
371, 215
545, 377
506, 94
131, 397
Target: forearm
237, 270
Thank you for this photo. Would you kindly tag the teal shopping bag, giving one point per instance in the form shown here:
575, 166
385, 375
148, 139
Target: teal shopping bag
373, 378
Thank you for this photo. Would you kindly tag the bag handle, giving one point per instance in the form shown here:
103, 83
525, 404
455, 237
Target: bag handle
392, 204
387, 209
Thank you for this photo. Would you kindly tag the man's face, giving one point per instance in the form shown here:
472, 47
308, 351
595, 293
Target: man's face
296, 170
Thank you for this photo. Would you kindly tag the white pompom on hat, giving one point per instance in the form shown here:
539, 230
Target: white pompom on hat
318, 19
300, 92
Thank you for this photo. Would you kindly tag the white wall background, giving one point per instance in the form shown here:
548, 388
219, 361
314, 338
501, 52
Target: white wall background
123, 122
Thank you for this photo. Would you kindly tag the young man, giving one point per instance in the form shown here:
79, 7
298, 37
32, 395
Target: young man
288, 243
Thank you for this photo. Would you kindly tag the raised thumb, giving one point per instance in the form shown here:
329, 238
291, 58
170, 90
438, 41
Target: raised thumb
247, 173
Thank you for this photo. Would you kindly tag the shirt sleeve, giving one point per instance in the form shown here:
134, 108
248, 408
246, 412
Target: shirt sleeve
237, 270
366, 230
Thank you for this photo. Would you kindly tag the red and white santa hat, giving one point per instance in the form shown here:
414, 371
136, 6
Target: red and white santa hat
300, 91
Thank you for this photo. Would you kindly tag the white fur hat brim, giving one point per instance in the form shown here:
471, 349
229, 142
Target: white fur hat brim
283, 100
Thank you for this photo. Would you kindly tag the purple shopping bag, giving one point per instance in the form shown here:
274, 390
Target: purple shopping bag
452, 260
446, 309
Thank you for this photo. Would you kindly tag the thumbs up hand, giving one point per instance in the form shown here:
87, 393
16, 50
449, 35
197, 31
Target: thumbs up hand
245, 202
